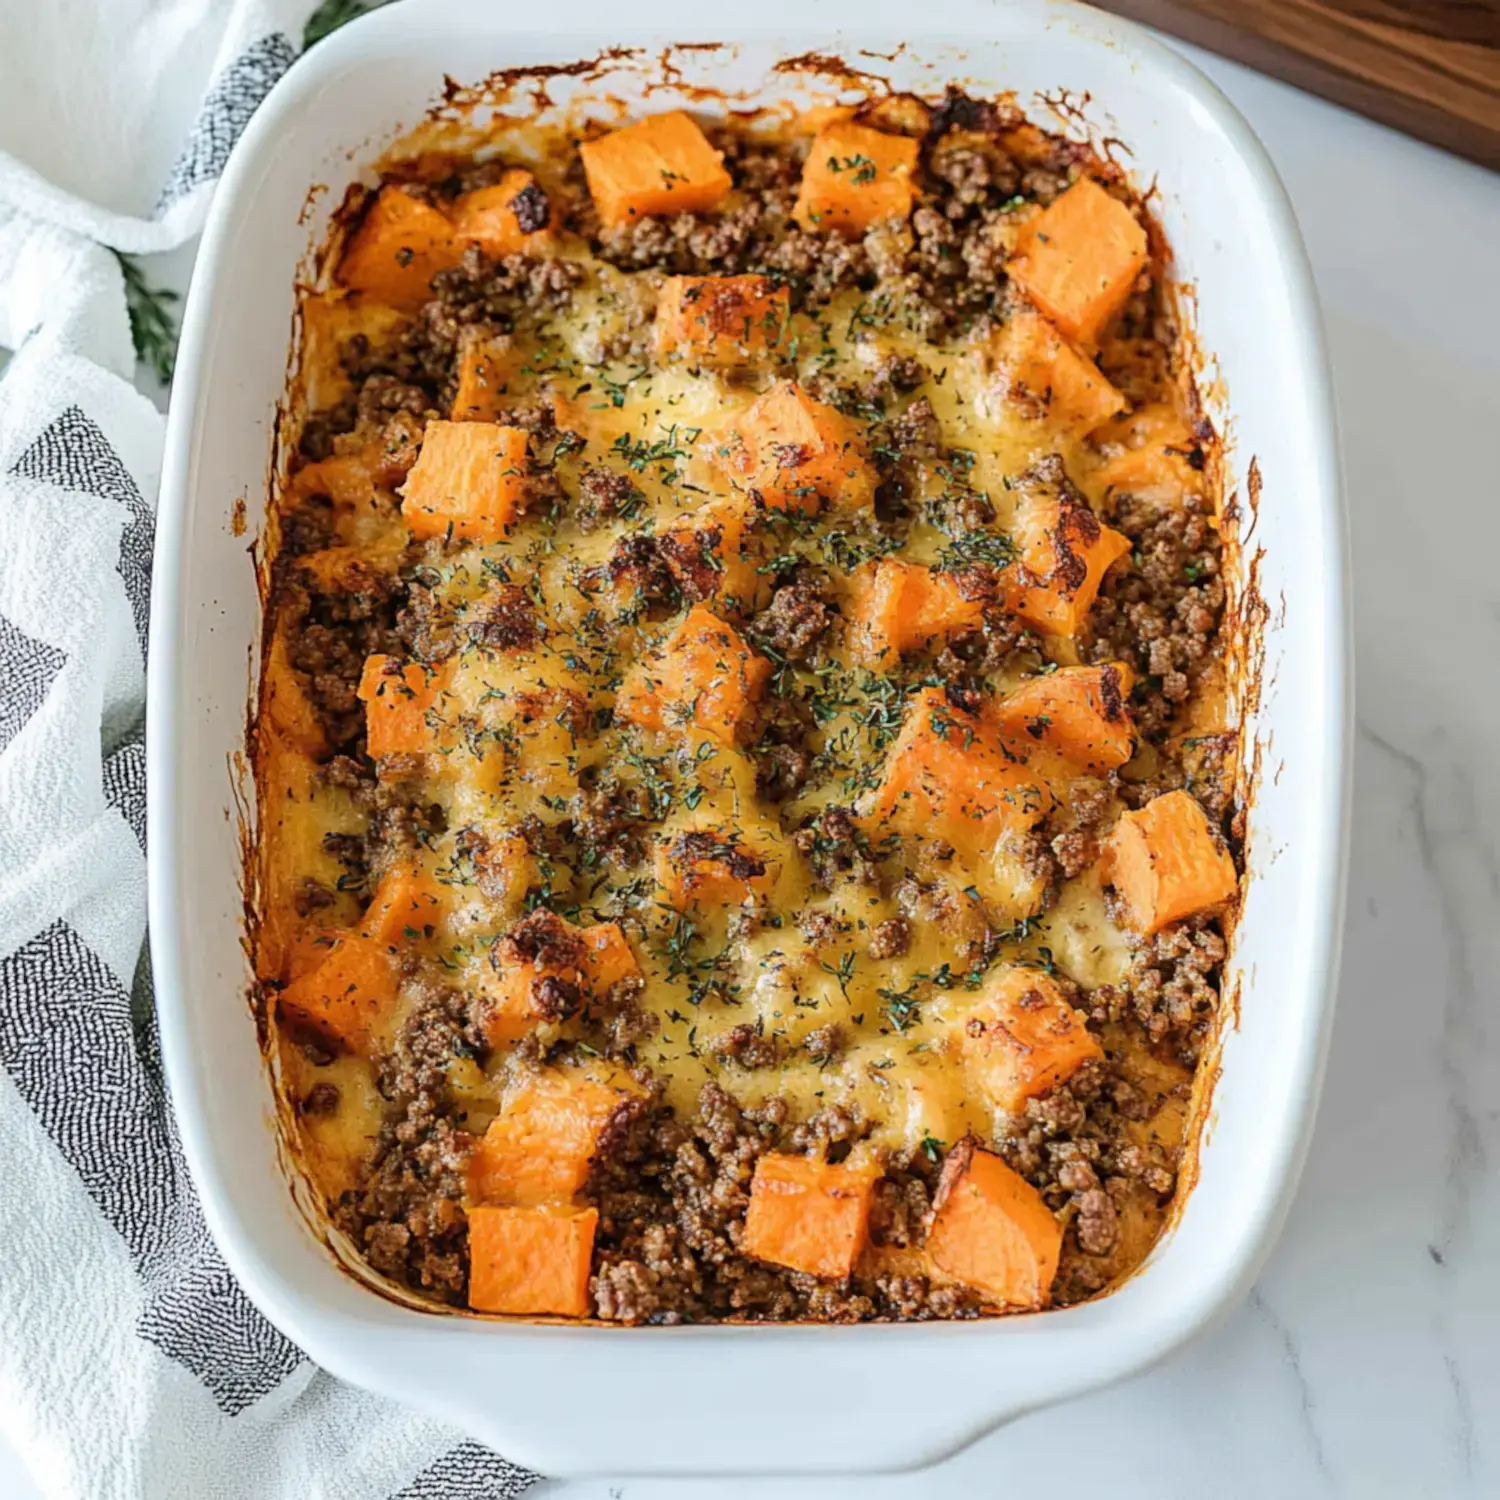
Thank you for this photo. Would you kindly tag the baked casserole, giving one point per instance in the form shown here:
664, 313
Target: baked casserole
747, 796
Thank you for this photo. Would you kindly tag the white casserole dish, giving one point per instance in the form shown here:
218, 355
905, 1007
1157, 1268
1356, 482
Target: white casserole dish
573, 1400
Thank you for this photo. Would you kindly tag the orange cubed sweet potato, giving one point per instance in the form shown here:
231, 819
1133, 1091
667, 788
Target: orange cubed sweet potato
1151, 454
345, 478
722, 322
537, 972
1048, 374
403, 705
539, 1148
855, 177
531, 1261
704, 868
402, 242
1066, 552
404, 909
704, 674
469, 480
818, 117
347, 994
898, 607
1021, 1038
794, 453
607, 957
503, 219
349, 990
808, 1215
545, 969
660, 165
1079, 258
712, 555
1080, 712
947, 777
483, 371
992, 1230
1165, 863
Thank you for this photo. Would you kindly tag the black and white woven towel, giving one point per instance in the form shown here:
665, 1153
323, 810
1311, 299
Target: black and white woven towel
131, 1364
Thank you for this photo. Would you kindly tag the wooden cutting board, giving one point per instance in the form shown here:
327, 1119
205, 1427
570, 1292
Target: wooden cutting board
1428, 67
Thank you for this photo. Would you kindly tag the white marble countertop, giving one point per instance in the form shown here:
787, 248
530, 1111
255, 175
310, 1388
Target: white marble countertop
1367, 1362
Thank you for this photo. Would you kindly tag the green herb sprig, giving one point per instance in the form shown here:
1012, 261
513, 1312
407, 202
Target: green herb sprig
332, 14
153, 326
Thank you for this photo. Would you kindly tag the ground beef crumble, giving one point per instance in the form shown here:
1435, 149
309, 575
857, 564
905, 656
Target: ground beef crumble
794, 622
604, 493
672, 1198
1161, 615
407, 1215
329, 633
837, 849
1073, 1144
1172, 990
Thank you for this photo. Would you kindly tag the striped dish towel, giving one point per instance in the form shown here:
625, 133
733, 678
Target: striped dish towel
131, 1364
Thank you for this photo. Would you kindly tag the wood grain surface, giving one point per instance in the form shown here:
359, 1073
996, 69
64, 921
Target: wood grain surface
1428, 67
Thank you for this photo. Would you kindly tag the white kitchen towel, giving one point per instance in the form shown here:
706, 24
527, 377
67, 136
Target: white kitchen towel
131, 1364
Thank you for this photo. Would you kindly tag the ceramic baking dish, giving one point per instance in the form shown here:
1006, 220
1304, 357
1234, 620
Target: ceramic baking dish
584, 1399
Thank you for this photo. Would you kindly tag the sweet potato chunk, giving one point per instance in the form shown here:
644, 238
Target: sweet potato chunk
1066, 553
1021, 1038
404, 909
1151, 454
469, 481
704, 675
402, 242
607, 957
808, 1215
661, 165
503, 219
1079, 259
483, 371
712, 554
1079, 712
405, 239
947, 777
531, 1261
345, 478
1052, 377
855, 177
347, 994
721, 322
545, 969
540, 1146
533, 974
1165, 863
794, 453
403, 705
898, 607
706, 867
992, 1230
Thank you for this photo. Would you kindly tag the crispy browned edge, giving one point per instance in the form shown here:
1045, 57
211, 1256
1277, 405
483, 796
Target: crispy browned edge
524, 95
